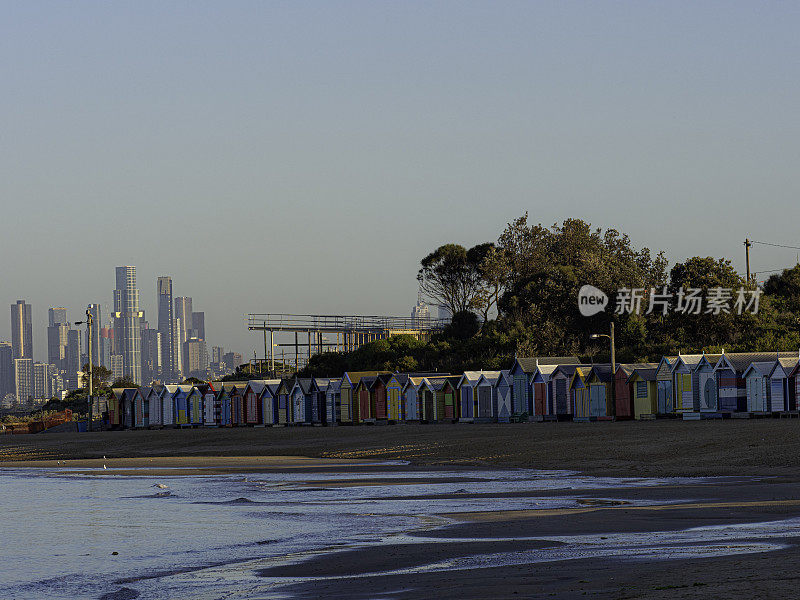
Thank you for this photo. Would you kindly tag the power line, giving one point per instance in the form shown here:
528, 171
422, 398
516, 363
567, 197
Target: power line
775, 245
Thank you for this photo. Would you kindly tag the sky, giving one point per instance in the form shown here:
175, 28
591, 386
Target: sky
303, 157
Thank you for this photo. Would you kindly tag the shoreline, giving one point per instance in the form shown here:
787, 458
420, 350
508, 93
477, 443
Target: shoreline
622, 449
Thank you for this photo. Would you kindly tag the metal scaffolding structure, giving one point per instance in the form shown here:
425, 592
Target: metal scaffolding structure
351, 331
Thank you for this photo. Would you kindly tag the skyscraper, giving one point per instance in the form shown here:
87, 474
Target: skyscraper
97, 353
72, 359
183, 311
166, 327
151, 355
6, 369
127, 331
57, 336
23, 379
56, 316
22, 330
199, 325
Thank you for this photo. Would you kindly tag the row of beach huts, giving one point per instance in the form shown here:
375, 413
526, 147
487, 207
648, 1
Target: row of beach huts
688, 386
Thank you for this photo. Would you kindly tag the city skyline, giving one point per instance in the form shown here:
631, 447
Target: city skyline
308, 121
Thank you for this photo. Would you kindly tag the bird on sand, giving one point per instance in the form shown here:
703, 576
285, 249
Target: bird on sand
161, 486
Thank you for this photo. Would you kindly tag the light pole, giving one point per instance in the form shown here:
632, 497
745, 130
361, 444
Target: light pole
89, 320
610, 336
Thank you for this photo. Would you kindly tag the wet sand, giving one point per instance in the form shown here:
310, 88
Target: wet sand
740, 576
760, 456
657, 448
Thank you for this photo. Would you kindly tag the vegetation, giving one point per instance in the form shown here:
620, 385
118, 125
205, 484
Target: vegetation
529, 281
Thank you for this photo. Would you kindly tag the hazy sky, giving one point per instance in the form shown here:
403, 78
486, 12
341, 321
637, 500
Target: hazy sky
302, 157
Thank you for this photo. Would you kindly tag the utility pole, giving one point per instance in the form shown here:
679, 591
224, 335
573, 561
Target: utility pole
747, 244
89, 322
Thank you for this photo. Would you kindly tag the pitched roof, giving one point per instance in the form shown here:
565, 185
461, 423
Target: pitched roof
530, 363
645, 374
568, 369
629, 368
739, 361
762, 368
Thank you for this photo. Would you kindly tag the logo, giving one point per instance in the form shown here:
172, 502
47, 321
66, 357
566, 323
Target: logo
591, 300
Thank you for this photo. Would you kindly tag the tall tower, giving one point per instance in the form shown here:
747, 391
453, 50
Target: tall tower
97, 354
127, 330
22, 330
183, 311
166, 324
57, 336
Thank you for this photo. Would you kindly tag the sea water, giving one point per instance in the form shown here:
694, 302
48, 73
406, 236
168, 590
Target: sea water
70, 535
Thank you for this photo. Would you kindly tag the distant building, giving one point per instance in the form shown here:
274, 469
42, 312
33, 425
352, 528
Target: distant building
97, 322
166, 328
23, 379
152, 359
72, 359
199, 325
57, 336
106, 346
6, 369
445, 314
421, 314
46, 381
216, 354
183, 311
196, 358
127, 330
232, 360
117, 367
22, 329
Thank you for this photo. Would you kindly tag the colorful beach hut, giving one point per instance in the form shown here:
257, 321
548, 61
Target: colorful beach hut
782, 389
666, 398
645, 392
412, 393
503, 392
599, 381
579, 394
757, 386
487, 401
395, 398
333, 399
467, 395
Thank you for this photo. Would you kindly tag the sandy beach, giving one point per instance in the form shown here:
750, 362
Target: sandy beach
659, 448
506, 553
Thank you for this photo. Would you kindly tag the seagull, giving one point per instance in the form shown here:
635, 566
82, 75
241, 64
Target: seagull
105, 467
161, 486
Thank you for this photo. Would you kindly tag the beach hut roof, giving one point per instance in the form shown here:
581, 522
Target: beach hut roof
740, 361
648, 374
763, 368
628, 368
504, 377
334, 384
490, 377
568, 369
602, 372
530, 363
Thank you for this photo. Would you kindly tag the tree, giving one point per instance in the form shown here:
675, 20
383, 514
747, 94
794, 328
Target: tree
100, 376
450, 277
493, 271
123, 382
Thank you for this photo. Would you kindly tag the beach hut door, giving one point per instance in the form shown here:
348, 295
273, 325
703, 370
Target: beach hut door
710, 394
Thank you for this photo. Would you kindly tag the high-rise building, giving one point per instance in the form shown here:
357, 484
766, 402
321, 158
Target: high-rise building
177, 333
152, 360
6, 369
216, 354
97, 353
22, 330
106, 346
127, 331
117, 367
232, 360
196, 358
45, 381
421, 314
23, 379
199, 325
72, 359
183, 311
57, 329
166, 328
57, 316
